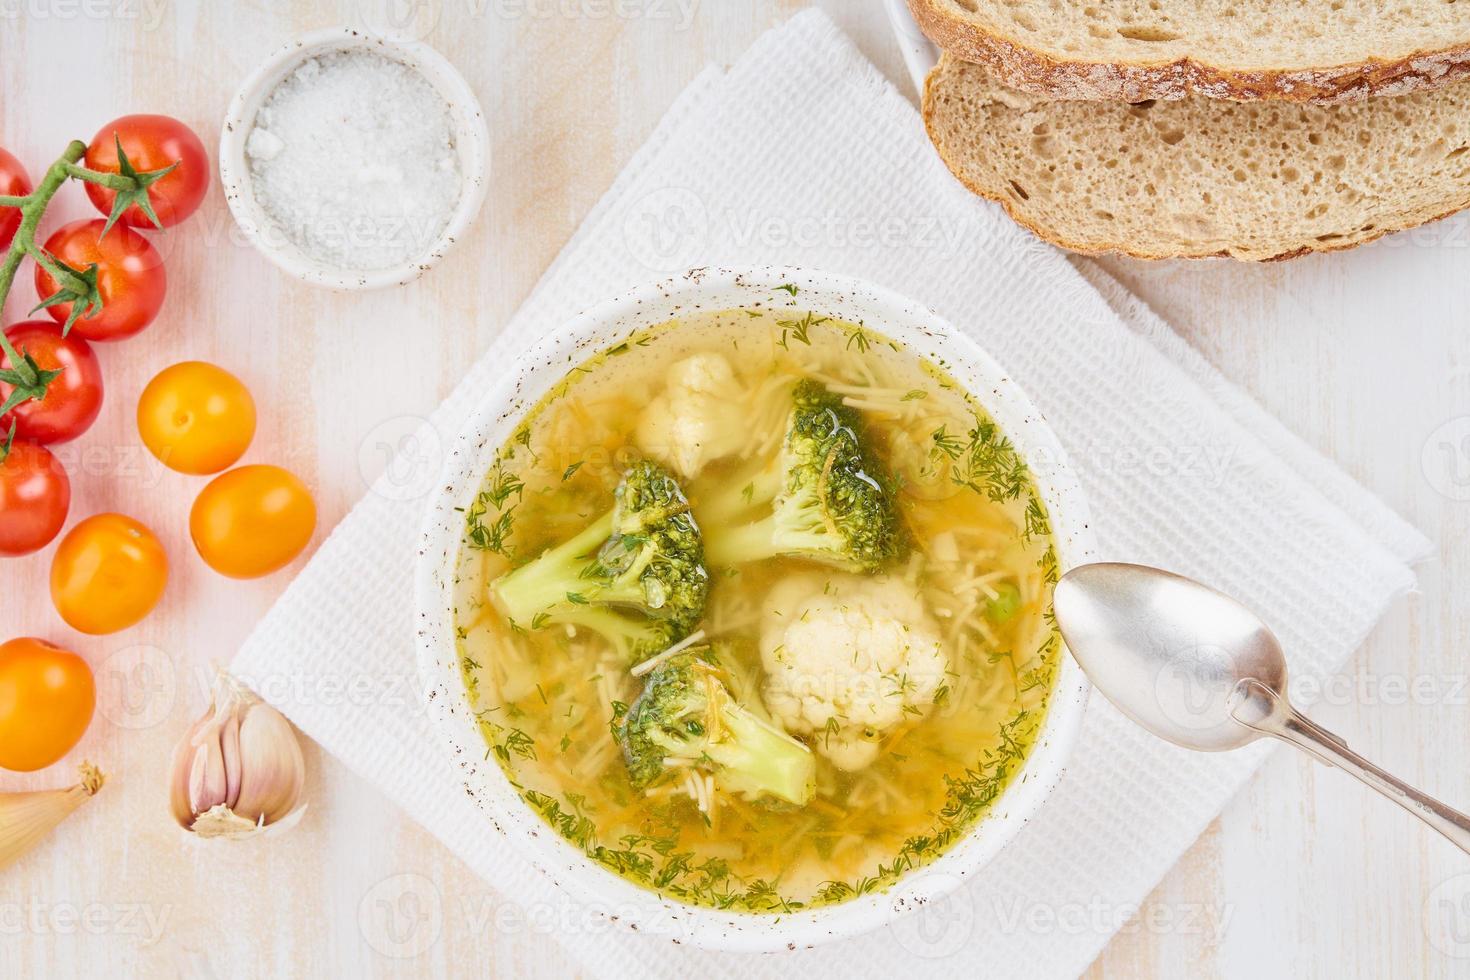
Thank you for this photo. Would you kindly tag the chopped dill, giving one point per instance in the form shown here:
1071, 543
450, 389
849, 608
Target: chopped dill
1049, 571
798, 330
523, 438
492, 536
985, 462
500, 487
1037, 524
516, 743
945, 444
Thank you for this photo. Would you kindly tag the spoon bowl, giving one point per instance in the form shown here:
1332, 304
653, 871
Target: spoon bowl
1199, 669
1169, 652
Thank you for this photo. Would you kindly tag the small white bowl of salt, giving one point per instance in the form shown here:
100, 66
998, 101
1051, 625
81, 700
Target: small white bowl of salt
354, 161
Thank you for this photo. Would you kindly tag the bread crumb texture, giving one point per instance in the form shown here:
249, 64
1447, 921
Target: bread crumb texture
1201, 177
1294, 50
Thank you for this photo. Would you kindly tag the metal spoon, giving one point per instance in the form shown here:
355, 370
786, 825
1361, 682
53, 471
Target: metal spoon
1200, 670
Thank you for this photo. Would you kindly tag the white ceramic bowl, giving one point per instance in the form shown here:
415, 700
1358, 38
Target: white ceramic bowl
522, 385
471, 138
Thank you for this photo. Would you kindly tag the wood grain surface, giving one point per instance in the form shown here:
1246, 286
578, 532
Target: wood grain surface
1365, 354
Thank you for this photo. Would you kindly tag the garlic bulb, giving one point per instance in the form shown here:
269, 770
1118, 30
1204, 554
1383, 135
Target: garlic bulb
25, 818
239, 770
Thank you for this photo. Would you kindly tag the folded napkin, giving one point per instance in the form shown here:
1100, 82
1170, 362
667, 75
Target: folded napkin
803, 154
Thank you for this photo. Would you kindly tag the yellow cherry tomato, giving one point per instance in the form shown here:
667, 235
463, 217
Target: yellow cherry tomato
47, 696
252, 520
108, 573
196, 418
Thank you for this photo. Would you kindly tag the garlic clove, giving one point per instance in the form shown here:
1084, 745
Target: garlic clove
207, 773
239, 770
178, 797
274, 773
230, 750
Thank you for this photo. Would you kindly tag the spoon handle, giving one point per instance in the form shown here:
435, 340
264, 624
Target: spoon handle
1292, 726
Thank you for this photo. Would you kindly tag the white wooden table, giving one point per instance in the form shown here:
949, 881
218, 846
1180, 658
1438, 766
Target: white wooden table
1367, 355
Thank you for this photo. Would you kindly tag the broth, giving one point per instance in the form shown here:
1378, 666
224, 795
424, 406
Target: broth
975, 576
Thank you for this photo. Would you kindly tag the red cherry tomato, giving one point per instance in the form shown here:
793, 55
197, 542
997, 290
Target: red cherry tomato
73, 398
13, 183
34, 497
152, 143
130, 278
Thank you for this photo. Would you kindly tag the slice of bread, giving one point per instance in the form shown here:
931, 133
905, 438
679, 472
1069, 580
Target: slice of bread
1202, 177
1134, 50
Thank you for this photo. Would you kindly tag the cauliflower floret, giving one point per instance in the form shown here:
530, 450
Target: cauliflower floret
847, 659
699, 417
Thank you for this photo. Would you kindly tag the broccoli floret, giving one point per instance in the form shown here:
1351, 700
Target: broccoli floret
686, 715
828, 497
636, 575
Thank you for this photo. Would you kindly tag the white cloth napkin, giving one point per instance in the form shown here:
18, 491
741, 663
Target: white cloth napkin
802, 153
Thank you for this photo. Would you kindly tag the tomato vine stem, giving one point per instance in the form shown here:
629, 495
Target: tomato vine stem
24, 373
117, 182
32, 206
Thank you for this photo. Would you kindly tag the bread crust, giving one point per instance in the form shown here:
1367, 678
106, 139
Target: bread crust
1059, 239
1031, 70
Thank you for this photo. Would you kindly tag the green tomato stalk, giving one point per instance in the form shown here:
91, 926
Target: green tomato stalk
75, 286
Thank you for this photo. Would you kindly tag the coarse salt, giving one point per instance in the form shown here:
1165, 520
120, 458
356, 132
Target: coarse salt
352, 157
